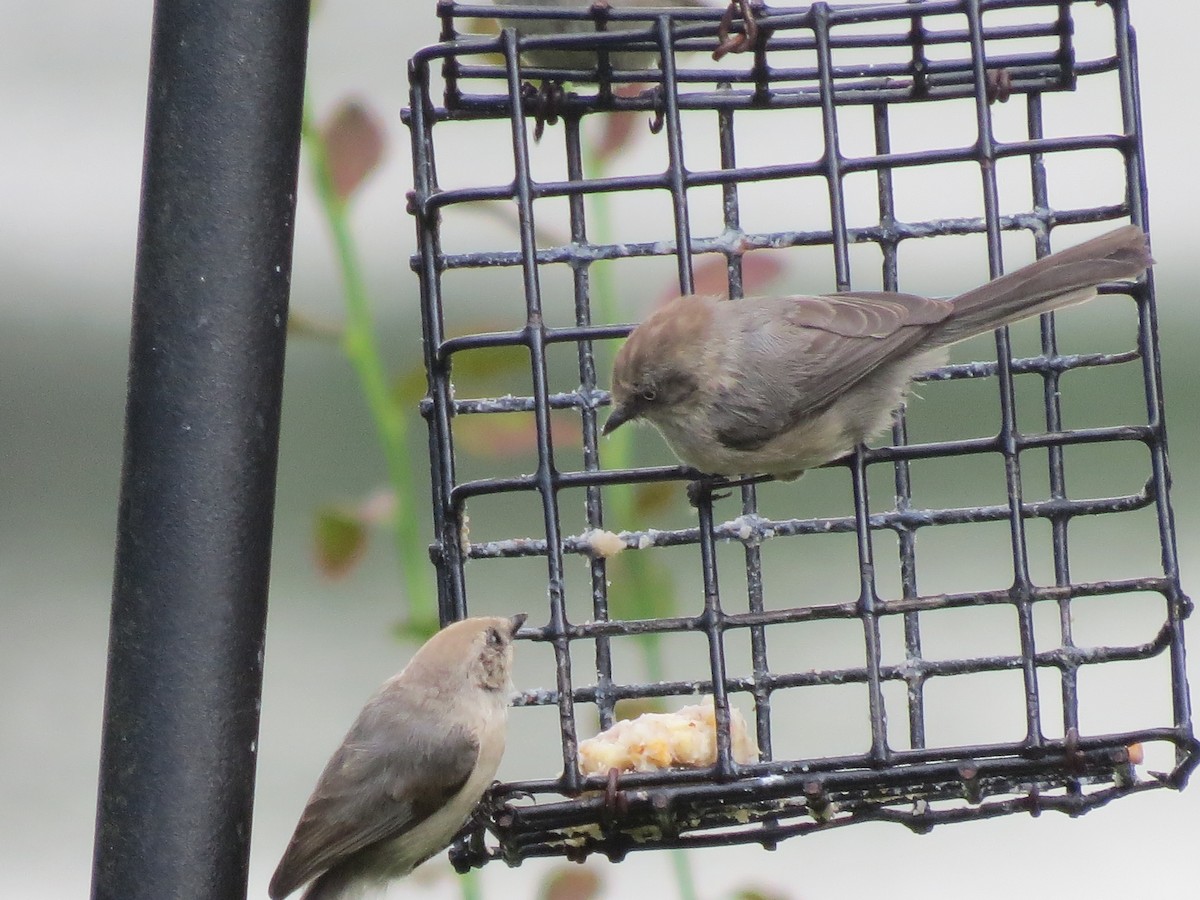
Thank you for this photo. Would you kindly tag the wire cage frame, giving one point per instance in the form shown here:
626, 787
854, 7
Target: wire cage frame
834, 61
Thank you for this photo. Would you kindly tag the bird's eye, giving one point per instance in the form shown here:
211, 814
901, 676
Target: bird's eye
493, 638
648, 393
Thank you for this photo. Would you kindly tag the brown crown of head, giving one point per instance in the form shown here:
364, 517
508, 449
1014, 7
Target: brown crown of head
658, 363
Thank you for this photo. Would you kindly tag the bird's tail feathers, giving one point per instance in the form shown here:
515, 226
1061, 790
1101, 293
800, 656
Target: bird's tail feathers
1062, 279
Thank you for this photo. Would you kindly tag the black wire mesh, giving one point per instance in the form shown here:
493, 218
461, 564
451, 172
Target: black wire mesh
951, 57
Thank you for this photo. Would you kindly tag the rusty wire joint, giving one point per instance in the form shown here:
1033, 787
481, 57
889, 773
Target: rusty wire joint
737, 42
616, 801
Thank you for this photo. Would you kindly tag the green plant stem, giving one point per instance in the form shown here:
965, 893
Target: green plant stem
619, 452
472, 887
683, 873
619, 446
362, 350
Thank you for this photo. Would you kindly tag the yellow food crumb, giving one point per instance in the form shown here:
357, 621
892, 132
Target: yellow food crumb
655, 741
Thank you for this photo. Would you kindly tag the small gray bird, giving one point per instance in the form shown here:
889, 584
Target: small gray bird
581, 59
411, 769
778, 385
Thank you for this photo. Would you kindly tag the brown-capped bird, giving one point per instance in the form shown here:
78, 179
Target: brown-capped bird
411, 769
778, 385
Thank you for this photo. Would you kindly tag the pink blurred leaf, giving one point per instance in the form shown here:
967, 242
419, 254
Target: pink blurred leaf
618, 131
711, 275
574, 883
378, 507
512, 434
354, 144
760, 271
619, 128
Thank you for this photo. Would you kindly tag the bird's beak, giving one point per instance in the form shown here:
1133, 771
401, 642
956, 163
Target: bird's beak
517, 621
617, 417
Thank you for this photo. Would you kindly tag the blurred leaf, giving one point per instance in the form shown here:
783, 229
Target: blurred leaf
711, 275
342, 531
416, 629
341, 538
354, 143
410, 388
505, 212
619, 128
302, 325
570, 883
642, 588
760, 271
487, 364
616, 134
483, 372
631, 709
501, 435
652, 498
378, 507
752, 893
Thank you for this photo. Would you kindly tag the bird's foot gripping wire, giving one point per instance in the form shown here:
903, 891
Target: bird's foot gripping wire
546, 103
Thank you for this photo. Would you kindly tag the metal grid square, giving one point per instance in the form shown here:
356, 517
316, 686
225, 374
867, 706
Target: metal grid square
1051, 749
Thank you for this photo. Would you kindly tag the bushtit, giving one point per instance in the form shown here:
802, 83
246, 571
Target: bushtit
582, 59
778, 385
411, 769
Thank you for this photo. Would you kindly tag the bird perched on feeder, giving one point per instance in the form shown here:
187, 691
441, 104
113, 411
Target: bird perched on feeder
411, 769
777, 385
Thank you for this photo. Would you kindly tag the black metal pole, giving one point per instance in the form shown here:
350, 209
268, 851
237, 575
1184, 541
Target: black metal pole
201, 441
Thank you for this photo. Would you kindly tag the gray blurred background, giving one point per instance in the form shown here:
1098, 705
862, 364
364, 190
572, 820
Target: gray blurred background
72, 90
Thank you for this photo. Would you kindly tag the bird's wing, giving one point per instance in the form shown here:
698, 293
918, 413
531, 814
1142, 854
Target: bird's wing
369, 792
800, 354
